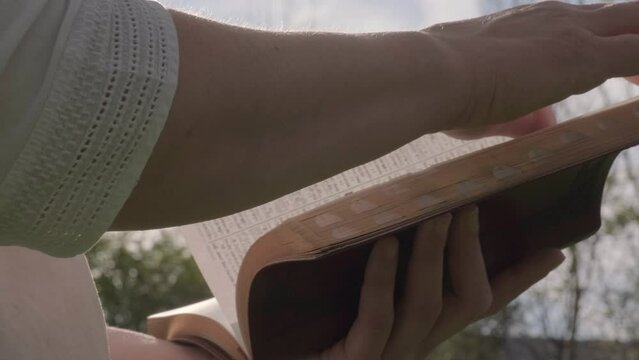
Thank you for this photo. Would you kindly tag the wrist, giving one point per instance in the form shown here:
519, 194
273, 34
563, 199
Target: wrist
449, 83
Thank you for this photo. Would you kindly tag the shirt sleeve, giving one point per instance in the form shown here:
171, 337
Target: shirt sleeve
85, 90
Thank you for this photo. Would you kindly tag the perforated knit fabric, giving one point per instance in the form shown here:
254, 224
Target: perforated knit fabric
106, 99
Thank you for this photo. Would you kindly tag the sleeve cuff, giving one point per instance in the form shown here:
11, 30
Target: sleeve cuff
110, 97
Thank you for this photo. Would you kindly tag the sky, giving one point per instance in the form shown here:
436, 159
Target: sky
337, 15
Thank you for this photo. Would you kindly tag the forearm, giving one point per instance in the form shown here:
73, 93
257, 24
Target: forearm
260, 114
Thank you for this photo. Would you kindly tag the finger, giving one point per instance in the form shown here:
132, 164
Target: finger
527, 124
505, 287
469, 281
633, 79
422, 301
521, 276
372, 328
524, 125
621, 54
614, 19
471, 295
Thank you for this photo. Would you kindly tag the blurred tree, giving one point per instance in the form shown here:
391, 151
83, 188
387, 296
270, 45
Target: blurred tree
137, 278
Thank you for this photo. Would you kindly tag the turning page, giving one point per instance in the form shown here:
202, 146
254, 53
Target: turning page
220, 245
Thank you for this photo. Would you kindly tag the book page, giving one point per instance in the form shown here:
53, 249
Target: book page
220, 245
208, 308
167, 325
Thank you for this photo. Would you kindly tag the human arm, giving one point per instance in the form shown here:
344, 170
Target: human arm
131, 345
260, 114
256, 114
428, 313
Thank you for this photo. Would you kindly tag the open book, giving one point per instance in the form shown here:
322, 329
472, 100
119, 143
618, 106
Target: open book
286, 275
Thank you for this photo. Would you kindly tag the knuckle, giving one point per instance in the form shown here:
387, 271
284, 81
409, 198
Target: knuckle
550, 12
483, 304
477, 307
573, 44
578, 47
378, 322
596, 67
548, 6
554, 11
570, 32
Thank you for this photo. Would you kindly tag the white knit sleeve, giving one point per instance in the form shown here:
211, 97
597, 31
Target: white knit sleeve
99, 108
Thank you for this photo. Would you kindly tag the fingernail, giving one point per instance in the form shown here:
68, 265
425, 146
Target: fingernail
559, 259
554, 259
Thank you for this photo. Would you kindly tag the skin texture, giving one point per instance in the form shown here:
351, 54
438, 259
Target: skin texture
260, 114
428, 315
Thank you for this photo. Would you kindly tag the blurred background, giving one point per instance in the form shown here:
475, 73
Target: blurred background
588, 309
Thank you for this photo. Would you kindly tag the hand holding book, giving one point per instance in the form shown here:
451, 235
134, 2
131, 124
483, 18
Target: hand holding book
430, 313
295, 291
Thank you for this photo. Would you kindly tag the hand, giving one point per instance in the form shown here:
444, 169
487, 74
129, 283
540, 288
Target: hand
522, 59
527, 124
429, 314
633, 79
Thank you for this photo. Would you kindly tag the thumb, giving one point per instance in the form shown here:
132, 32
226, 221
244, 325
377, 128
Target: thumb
519, 277
524, 125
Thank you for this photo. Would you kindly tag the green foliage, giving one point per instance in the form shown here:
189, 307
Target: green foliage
138, 278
